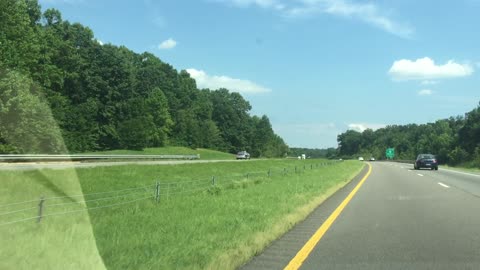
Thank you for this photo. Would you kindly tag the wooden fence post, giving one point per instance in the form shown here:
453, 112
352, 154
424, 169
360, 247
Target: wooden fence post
40, 209
157, 192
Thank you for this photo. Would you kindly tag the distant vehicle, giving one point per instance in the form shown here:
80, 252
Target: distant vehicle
243, 155
372, 159
426, 161
361, 159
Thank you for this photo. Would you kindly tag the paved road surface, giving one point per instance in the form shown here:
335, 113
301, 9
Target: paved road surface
400, 218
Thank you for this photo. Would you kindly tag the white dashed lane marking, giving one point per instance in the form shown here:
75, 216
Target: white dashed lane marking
443, 185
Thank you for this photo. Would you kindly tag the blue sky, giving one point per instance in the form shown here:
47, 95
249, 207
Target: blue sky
315, 67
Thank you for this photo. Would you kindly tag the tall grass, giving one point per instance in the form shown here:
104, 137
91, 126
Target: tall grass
56, 243
218, 228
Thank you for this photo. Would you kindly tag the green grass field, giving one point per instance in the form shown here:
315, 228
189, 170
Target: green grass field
195, 224
54, 243
205, 154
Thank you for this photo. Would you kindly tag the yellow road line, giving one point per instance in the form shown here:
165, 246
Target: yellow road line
302, 255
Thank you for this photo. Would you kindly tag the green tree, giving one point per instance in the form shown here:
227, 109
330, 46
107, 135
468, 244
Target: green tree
469, 134
157, 107
26, 122
18, 38
230, 113
135, 133
97, 93
349, 143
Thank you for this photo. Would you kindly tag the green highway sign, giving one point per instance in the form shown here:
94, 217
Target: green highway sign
390, 153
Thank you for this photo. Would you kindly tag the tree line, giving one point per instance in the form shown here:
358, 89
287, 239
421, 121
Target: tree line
454, 141
64, 91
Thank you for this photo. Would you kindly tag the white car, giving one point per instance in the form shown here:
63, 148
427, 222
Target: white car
372, 159
361, 159
243, 155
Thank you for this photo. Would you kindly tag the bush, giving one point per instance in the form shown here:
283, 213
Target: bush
8, 149
457, 156
476, 157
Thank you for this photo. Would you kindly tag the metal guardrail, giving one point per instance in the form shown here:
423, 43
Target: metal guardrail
23, 157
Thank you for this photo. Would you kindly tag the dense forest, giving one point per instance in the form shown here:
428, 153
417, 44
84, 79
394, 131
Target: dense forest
454, 141
64, 91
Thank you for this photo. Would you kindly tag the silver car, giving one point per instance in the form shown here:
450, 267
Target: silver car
243, 155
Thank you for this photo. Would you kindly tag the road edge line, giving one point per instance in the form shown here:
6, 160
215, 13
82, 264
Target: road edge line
302, 255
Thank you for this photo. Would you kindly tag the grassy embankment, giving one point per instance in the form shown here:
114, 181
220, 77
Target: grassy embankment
205, 154
217, 227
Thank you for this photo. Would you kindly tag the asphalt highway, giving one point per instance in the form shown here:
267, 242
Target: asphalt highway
399, 218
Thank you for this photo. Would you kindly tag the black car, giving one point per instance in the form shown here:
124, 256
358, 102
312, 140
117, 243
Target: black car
426, 161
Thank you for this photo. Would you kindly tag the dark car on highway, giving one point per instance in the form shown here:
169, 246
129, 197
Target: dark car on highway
426, 161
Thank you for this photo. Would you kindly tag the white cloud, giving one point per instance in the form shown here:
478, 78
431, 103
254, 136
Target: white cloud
167, 44
215, 82
426, 69
366, 12
100, 42
360, 127
425, 92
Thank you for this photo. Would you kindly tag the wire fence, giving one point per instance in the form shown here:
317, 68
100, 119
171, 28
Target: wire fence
40, 208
